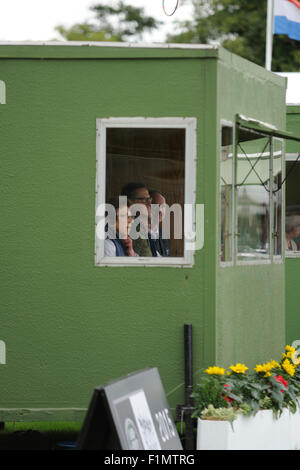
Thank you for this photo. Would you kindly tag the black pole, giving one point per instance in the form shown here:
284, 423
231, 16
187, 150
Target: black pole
188, 363
188, 378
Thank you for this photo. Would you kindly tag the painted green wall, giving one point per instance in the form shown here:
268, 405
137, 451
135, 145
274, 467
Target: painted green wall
68, 325
250, 322
293, 265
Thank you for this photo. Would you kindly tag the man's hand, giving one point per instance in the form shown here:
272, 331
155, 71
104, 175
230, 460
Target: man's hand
128, 246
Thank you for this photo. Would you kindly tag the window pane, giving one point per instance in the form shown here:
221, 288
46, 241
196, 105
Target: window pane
292, 224
277, 195
253, 198
226, 192
154, 157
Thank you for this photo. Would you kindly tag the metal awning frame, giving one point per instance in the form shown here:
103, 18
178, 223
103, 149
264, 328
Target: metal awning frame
249, 124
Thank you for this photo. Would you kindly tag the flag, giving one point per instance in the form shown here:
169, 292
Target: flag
287, 18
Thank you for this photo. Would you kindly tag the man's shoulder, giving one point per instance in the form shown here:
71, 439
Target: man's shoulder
141, 247
109, 248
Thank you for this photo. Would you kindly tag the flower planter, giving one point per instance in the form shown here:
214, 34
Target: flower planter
260, 432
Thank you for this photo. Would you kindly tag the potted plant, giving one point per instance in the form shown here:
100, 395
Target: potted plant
242, 409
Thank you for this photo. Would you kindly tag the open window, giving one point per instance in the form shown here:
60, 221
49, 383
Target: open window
285, 179
226, 192
292, 223
277, 196
151, 162
252, 180
253, 195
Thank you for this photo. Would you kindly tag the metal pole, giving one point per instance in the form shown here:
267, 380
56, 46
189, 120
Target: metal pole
188, 363
269, 33
188, 378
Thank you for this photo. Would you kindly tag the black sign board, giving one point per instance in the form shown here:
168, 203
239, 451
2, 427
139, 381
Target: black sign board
131, 413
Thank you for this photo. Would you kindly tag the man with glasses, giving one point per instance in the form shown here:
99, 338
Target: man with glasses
160, 241
137, 193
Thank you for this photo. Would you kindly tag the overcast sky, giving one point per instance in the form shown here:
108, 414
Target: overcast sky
24, 20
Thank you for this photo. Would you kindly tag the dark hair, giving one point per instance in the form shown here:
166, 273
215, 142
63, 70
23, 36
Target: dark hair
115, 202
130, 189
154, 192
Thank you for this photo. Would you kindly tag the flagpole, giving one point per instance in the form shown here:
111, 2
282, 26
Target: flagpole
269, 33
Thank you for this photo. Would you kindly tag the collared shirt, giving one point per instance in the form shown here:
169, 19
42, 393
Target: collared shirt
154, 235
109, 246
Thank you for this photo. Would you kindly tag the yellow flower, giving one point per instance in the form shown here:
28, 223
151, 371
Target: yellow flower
290, 352
295, 359
215, 370
265, 368
239, 368
275, 364
288, 367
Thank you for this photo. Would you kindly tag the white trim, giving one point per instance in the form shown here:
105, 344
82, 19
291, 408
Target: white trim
282, 227
290, 157
253, 261
132, 45
256, 121
226, 264
225, 123
270, 258
2, 92
144, 261
189, 124
292, 254
2, 352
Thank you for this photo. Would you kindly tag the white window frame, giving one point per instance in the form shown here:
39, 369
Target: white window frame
230, 124
278, 259
190, 125
256, 261
290, 157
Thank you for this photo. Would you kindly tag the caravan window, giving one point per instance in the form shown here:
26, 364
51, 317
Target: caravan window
253, 196
292, 224
150, 163
277, 170
226, 193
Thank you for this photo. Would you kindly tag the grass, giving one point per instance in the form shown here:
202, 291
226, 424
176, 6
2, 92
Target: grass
38, 436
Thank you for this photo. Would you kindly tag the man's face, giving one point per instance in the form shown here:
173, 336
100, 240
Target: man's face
142, 196
160, 200
296, 232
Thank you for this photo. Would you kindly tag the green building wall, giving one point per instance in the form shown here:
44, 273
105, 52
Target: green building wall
250, 325
68, 325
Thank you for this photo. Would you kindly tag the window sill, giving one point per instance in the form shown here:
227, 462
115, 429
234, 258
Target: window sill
146, 262
253, 262
292, 254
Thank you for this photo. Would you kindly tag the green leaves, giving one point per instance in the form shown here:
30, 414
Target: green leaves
240, 26
112, 23
209, 392
247, 392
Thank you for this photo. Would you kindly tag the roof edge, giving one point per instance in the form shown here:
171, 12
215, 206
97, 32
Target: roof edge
133, 45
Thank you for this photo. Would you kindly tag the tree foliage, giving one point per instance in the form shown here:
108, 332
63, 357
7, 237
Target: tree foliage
114, 22
240, 26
